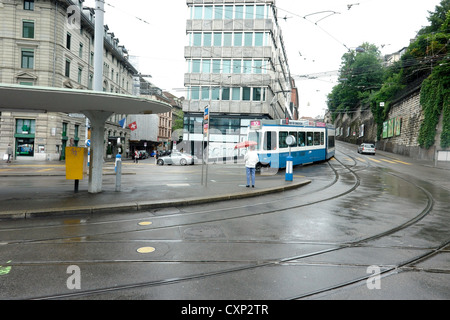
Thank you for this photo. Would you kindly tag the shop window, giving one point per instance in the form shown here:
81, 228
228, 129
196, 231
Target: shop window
25, 147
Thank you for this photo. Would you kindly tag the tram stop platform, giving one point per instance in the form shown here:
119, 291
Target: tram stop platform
30, 189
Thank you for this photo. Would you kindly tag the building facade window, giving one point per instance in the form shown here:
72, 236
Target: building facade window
68, 40
27, 59
197, 39
229, 39
28, 5
80, 74
217, 39
257, 94
25, 126
207, 39
91, 81
227, 66
236, 94
229, 12
28, 29
208, 13
239, 12
218, 12
216, 67
67, 68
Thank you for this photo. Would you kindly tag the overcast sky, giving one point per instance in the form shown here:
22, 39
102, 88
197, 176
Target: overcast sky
154, 31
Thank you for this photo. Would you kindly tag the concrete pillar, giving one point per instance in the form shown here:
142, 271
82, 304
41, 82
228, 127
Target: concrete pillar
98, 45
98, 120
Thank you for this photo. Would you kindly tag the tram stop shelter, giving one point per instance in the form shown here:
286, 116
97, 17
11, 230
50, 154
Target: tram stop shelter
97, 106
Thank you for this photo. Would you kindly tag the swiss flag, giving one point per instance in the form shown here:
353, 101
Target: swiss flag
133, 126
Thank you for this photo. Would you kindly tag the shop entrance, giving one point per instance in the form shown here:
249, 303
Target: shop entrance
24, 147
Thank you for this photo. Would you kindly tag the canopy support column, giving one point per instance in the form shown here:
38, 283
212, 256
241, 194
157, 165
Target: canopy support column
98, 120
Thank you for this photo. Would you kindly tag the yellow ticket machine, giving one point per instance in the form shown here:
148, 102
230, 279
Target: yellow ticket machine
76, 164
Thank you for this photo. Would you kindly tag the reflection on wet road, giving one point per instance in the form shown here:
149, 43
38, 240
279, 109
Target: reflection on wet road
320, 241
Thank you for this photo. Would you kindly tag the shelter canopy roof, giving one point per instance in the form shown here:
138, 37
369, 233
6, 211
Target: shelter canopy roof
43, 99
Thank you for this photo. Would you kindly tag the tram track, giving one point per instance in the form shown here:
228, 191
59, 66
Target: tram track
254, 264
218, 211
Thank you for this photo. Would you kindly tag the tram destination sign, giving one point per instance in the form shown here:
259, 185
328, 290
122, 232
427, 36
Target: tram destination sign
255, 125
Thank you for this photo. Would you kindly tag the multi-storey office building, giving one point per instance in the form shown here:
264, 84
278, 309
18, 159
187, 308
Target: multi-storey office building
49, 43
237, 65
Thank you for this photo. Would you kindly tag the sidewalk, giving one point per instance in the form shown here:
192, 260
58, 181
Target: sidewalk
39, 189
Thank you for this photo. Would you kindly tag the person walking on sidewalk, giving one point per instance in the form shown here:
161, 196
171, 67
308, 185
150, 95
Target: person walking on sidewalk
136, 156
251, 160
9, 152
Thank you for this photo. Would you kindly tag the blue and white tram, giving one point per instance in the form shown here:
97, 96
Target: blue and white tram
314, 141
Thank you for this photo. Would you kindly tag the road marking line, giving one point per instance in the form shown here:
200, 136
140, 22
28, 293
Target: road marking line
408, 164
389, 161
44, 170
362, 160
378, 161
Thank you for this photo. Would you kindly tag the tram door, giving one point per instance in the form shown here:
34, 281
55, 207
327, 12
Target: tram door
270, 141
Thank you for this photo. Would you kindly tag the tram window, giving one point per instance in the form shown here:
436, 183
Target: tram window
301, 139
322, 138
282, 140
256, 137
309, 139
331, 143
270, 140
317, 138
294, 134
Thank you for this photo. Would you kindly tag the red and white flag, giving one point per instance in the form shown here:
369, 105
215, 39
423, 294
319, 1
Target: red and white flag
133, 126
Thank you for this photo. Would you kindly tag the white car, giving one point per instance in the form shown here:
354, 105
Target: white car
367, 148
177, 158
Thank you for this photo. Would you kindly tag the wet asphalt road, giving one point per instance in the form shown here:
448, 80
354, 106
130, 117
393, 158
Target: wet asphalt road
366, 227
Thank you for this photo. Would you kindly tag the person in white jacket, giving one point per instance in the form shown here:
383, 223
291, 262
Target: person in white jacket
251, 160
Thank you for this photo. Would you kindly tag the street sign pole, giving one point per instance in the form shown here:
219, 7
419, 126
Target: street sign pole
207, 155
205, 132
203, 155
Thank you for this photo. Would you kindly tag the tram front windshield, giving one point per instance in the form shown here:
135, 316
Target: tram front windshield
256, 137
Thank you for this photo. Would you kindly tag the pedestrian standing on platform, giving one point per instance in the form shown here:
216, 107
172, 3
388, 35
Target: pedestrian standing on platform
9, 152
251, 160
136, 156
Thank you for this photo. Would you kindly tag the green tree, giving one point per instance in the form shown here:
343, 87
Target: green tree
361, 73
432, 47
363, 80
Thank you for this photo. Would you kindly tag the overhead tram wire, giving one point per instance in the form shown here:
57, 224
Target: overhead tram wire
316, 23
136, 17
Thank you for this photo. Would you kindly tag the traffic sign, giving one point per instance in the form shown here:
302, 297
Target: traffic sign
206, 115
